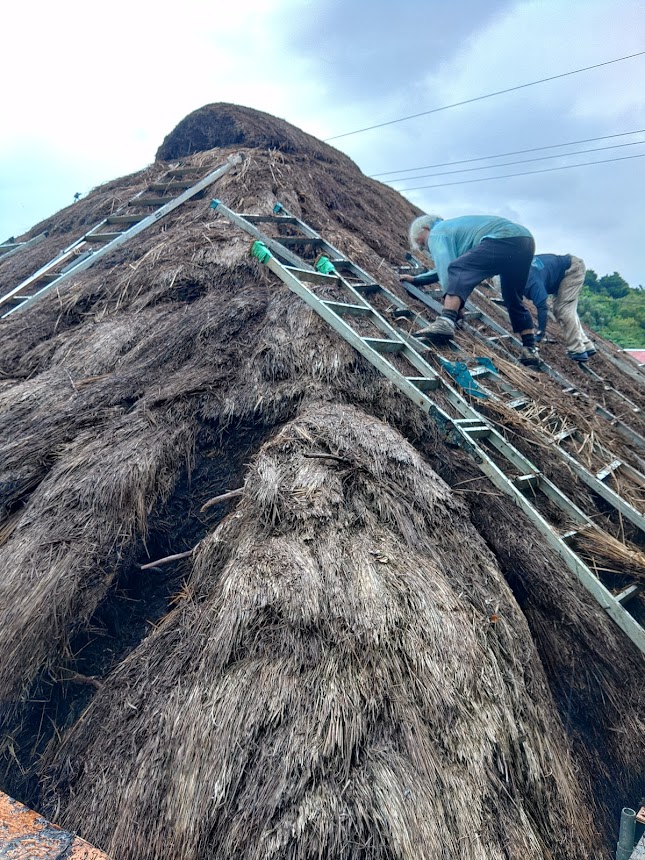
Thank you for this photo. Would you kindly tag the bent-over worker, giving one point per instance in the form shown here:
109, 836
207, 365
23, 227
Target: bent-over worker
561, 276
466, 251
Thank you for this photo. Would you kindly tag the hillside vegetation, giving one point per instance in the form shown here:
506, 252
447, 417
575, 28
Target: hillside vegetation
612, 308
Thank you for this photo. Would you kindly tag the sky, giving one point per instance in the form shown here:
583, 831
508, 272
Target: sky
89, 94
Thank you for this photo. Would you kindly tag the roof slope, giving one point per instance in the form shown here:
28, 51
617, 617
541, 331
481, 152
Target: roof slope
344, 669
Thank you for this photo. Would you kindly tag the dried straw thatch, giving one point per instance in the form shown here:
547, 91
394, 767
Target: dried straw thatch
344, 670
348, 675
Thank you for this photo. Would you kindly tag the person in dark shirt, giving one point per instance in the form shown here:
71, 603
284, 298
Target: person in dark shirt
562, 277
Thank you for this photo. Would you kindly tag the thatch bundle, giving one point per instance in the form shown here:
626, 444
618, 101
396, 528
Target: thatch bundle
347, 659
345, 671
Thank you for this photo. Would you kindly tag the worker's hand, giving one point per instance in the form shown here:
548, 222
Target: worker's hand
408, 278
539, 336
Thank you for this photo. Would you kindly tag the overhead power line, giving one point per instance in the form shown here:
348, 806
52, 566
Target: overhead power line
501, 155
520, 161
524, 173
481, 98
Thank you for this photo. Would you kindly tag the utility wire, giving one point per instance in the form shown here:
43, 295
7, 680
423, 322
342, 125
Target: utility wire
502, 155
481, 98
524, 173
520, 161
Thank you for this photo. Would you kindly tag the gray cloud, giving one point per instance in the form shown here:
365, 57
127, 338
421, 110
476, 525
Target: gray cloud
330, 66
367, 50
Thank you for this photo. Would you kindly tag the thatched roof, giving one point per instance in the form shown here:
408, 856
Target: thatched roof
357, 660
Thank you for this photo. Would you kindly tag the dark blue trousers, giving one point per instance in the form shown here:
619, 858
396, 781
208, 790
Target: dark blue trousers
508, 258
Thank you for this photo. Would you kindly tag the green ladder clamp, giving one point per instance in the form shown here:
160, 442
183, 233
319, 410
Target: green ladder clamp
468, 431
98, 241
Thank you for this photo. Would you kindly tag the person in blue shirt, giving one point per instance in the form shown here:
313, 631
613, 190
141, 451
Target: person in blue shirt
562, 277
466, 251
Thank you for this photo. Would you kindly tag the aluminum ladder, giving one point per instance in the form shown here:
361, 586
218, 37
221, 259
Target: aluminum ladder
99, 241
471, 431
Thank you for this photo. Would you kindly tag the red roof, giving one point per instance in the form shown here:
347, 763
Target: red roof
637, 354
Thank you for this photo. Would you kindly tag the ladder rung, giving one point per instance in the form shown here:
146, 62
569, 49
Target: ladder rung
608, 470
518, 402
171, 186
124, 219
569, 534
350, 310
565, 434
270, 219
628, 593
312, 277
473, 427
480, 370
384, 345
150, 201
498, 337
20, 297
472, 315
101, 237
523, 482
423, 383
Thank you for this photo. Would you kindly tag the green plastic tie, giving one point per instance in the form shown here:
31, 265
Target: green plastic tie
215, 203
260, 251
325, 266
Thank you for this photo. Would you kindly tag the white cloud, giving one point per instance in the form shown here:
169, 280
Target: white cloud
89, 97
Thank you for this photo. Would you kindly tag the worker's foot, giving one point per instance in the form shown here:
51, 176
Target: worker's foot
591, 350
530, 357
580, 357
442, 329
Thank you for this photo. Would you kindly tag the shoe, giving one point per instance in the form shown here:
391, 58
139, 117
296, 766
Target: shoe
530, 357
441, 329
580, 357
591, 350
400, 314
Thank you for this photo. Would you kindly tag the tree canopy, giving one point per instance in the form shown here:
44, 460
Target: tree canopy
611, 307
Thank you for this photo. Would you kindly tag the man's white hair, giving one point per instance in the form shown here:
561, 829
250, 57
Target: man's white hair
417, 226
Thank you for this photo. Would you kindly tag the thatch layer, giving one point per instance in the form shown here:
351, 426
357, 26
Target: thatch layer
347, 659
217, 126
157, 364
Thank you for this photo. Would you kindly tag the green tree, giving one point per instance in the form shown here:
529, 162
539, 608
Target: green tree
614, 286
591, 280
609, 306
